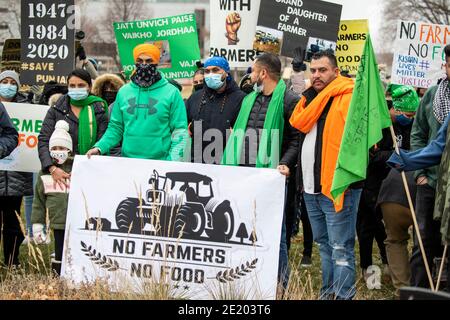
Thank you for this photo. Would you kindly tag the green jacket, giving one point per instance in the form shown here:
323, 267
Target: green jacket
55, 202
150, 122
424, 130
442, 204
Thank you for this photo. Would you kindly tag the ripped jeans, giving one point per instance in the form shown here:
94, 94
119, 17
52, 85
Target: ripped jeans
335, 233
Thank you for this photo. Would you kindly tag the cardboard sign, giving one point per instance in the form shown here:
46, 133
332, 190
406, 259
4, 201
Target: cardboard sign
48, 36
233, 25
350, 45
176, 37
195, 228
419, 55
27, 119
11, 55
284, 25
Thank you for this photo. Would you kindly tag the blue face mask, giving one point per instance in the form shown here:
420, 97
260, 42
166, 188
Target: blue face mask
78, 94
8, 91
402, 120
214, 80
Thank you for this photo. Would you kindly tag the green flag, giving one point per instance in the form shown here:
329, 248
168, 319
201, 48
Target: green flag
368, 115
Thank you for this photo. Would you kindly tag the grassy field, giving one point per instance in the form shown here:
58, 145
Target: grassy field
34, 280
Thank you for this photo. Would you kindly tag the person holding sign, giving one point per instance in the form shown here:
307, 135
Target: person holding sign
262, 136
320, 116
149, 115
216, 107
13, 185
52, 198
87, 116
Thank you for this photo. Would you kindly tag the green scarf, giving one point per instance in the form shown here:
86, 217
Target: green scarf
87, 123
274, 121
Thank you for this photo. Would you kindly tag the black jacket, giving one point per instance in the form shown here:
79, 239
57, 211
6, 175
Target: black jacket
62, 111
8, 134
14, 183
212, 110
289, 149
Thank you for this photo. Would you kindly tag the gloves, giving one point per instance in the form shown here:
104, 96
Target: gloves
81, 54
297, 63
39, 235
37, 93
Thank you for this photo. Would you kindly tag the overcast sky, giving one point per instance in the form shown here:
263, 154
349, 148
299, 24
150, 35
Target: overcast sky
363, 9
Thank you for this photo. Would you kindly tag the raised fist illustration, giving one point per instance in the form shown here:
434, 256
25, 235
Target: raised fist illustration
232, 25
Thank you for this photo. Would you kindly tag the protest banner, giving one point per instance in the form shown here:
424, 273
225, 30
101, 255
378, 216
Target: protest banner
175, 36
196, 228
11, 55
27, 119
233, 25
284, 25
350, 45
48, 35
419, 55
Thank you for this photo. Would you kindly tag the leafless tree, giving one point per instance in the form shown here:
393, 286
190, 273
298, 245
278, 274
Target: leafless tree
433, 11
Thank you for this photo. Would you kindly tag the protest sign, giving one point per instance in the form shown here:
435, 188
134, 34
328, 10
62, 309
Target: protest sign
284, 25
351, 39
48, 35
419, 55
175, 36
196, 228
233, 25
11, 55
27, 119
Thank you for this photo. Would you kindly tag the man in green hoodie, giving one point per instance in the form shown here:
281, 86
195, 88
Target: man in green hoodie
149, 115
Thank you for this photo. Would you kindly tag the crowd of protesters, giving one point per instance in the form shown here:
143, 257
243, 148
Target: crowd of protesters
147, 118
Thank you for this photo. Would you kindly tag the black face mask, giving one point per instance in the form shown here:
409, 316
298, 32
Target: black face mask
110, 96
247, 88
198, 87
146, 75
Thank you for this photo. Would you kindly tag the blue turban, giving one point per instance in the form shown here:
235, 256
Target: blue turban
220, 62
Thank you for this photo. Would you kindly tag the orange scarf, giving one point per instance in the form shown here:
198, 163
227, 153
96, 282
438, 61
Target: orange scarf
304, 118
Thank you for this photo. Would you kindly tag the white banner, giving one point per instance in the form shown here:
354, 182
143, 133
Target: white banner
233, 26
419, 56
200, 229
27, 118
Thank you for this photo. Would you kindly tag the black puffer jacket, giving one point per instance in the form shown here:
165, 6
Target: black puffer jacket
62, 111
289, 150
14, 183
8, 134
213, 110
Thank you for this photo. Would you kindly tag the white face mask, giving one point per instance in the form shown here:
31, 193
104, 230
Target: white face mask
258, 88
60, 156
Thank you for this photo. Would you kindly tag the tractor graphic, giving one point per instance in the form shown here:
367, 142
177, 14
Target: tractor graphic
178, 205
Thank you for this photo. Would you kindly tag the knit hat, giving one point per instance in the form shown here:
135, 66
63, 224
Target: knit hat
148, 49
61, 136
220, 62
10, 74
405, 99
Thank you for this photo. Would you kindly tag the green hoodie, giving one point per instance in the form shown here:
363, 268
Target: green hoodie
150, 122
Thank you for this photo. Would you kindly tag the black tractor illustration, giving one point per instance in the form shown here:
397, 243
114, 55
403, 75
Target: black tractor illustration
178, 205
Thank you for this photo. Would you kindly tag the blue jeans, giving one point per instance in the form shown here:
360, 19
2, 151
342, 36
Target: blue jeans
28, 205
335, 233
283, 261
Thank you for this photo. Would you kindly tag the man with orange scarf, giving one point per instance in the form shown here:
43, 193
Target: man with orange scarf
320, 116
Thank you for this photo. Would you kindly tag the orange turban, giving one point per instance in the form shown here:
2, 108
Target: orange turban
148, 49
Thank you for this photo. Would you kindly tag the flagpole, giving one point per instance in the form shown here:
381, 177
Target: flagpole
441, 268
413, 213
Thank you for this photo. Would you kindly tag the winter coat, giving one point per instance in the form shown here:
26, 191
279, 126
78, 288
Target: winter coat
289, 149
14, 183
47, 197
8, 134
424, 130
212, 110
151, 121
100, 82
63, 111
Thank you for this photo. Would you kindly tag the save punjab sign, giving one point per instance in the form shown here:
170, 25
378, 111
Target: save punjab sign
196, 229
351, 39
27, 119
419, 56
175, 36
233, 24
